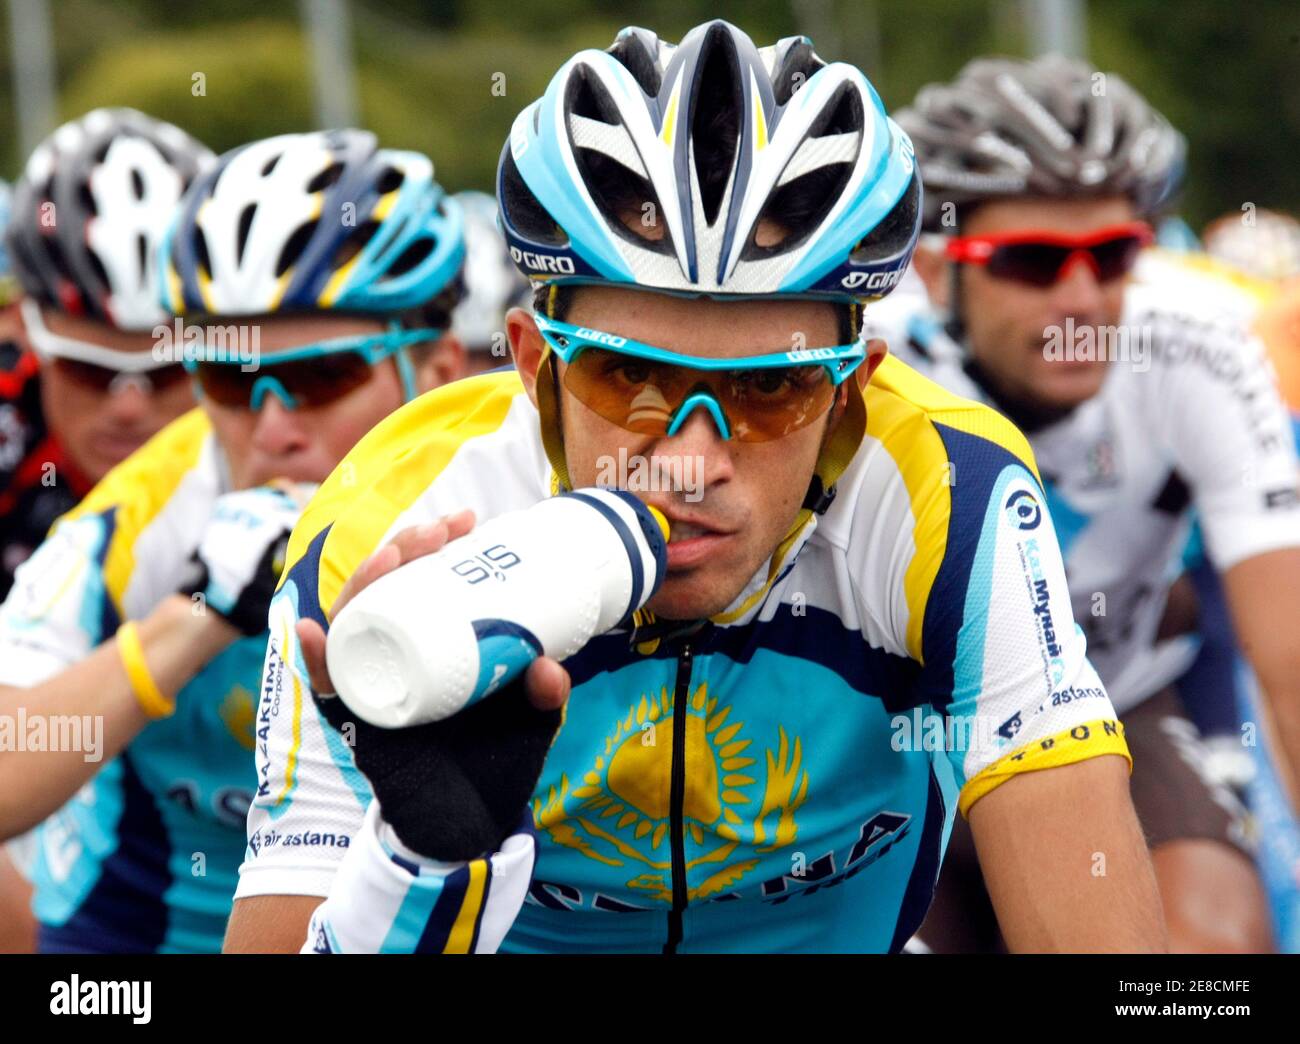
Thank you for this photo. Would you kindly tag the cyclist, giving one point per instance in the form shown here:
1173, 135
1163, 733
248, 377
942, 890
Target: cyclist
79, 389
492, 286
733, 771
337, 263
1143, 402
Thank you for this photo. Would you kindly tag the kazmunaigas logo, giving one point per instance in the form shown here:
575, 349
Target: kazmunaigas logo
620, 814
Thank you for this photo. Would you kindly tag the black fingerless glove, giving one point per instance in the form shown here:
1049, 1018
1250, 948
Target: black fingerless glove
453, 790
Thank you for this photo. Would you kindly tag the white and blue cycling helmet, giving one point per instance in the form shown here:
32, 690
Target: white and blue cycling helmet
312, 222
711, 167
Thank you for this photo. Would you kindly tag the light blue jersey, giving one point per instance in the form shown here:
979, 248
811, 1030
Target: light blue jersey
782, 779
144, 858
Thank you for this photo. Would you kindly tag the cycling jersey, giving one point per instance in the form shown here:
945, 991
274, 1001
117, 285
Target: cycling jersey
37, 481
776, 781
144, 857
1188, 420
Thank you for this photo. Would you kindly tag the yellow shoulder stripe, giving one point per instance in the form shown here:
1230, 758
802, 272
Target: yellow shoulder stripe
139, 488
902, 410
1089, 740
390, 467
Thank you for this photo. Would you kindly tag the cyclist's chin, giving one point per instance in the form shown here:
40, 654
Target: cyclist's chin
692, 594
1068, 384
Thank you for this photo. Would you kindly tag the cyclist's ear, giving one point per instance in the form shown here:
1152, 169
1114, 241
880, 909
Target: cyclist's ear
932, 266
527, 346
877, 349
439, 363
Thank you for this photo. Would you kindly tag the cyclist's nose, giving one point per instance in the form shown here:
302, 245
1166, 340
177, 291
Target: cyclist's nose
698, 436
128, 402
277, 430
1078, 290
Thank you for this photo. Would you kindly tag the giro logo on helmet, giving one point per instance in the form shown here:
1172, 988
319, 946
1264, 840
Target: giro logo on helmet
871, 280
542, 262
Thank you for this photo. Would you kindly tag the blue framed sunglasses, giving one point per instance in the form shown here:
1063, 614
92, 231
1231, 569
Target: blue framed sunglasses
305, 376
653, 391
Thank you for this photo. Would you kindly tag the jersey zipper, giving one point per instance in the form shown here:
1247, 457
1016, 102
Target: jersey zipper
677, 798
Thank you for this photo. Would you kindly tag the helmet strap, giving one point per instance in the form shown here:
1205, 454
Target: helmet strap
406, 371
548, 407
955, 324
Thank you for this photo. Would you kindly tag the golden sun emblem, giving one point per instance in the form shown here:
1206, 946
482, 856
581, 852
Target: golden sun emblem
620, 813
239, 715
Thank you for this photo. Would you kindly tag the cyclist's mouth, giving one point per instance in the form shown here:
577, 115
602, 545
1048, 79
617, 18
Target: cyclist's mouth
691, 543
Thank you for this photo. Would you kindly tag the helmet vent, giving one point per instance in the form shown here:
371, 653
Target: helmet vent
521, 208
201, 251
354, 243
294, 246
813, 180
270, 164
799, 64
241, 235
410, 258
627, 199
142, 251
137, 184
389, 181
630, 50
325, 178
718, 103
894, 232
87, 199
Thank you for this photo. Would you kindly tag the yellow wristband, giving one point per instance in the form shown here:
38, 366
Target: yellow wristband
146, 690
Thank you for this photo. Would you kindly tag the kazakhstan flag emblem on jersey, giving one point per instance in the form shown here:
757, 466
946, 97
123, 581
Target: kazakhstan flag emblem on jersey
733, 808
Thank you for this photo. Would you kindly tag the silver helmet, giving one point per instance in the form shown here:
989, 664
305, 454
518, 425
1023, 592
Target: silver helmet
1053, 126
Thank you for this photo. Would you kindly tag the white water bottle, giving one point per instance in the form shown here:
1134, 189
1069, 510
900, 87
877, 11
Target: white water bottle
443, 631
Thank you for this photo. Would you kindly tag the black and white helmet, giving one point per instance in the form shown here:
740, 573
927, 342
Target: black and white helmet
90, 208
1053, 126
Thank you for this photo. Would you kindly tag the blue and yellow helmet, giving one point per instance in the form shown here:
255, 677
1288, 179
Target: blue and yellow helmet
325, 221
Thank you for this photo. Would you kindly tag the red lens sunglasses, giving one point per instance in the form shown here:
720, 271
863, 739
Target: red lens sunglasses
1040, 258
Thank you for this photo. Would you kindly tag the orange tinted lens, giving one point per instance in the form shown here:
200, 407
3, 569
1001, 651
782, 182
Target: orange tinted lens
643, 396
636, 394
223, 384
321, 380
312, 382
769, 404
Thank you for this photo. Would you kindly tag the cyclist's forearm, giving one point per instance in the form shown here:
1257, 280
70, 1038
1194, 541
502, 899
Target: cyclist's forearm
94, 705
1065, 862
1264, 599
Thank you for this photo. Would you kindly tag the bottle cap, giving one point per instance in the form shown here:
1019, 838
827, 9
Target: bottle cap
659, 517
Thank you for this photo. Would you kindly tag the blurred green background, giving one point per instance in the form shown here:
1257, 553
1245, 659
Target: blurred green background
1228, 75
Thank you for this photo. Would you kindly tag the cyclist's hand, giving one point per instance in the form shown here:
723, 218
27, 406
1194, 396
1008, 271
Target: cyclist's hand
451, 789
238, 562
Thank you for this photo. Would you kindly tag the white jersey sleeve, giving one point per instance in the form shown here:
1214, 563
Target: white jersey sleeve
56, 611
1213, 401
310, 797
